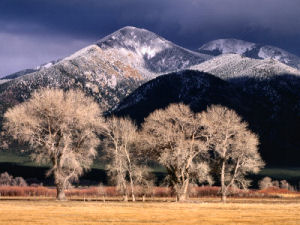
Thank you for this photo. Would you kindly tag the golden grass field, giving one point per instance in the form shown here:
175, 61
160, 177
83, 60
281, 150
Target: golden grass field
206, 211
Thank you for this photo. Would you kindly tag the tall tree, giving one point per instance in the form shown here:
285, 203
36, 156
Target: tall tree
60, 128
176, 140
234, 147
122, 152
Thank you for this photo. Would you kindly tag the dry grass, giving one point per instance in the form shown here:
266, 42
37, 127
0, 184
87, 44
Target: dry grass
208, 211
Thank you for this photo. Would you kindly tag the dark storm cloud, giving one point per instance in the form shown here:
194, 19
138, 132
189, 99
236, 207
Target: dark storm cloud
38, 30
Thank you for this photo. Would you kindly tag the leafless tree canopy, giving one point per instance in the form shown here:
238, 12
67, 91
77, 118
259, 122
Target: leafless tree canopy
8, 180
175, 139
234, 146
265, 183
123, 154
60, 128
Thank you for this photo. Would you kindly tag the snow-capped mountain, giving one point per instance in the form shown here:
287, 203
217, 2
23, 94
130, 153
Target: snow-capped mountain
270, 105
108, 70
150, 51
249, 49
228, 66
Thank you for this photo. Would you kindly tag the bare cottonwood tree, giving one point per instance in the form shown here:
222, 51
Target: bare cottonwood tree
175, 139
60, 128
265, 183
121, 150
234, 147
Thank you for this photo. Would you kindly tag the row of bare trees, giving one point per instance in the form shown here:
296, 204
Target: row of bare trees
64, 129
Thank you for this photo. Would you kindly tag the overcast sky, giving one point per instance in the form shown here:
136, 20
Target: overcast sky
33, 32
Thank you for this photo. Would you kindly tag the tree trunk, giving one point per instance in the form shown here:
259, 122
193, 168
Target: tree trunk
224, 197
60, 189
133, 198
131, 186
125, 198
183, 195
60, 192
144, 198
223, 187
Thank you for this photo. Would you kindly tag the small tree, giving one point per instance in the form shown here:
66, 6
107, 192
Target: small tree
276, 184
121, 150
285, 185
6, 179
265, 183
174, 137
234, 147
60, 129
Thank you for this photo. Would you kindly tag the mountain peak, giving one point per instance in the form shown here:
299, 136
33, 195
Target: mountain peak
132, 28
148, 49
135, 39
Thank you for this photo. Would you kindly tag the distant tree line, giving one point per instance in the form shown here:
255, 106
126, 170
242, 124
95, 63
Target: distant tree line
267, 183
64, 130
8, 180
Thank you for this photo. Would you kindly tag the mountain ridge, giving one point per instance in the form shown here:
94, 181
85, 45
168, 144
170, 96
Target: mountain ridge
249, 49
229, 65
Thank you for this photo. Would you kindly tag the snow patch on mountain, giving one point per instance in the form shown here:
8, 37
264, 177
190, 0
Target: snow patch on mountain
233, 65
2, 81
251, 50
141, 41
150, 51
81, 53
228, 46
47, 65
273, 52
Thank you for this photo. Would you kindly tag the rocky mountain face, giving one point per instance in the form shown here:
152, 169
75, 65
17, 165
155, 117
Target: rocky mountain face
251, 50
227, 66
271, 105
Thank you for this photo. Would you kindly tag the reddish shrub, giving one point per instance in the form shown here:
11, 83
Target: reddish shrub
275, 190
162, 192
110, 191
26, 191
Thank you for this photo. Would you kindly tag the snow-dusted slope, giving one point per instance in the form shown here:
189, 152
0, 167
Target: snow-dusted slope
2, 81
252, 50
150, 51
108, 70
100, 74
223, 46
28, 71
233, 65
143, 51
